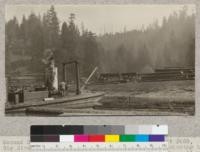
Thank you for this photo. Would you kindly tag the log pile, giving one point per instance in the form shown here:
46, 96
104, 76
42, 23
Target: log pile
116, 77
164, 74
169, 74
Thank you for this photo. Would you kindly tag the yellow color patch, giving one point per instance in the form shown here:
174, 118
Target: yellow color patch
111, 138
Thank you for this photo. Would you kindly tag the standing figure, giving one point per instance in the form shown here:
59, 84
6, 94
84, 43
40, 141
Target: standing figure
51, 73
62, 88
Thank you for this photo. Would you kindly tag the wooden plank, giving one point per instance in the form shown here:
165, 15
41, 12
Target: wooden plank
56, 101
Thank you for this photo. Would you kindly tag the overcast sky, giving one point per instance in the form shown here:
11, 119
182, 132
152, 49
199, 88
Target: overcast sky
103, 18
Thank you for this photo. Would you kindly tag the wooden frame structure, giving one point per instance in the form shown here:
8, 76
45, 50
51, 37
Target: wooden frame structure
76, 73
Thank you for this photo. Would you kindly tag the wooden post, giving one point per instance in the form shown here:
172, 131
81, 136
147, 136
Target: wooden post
64, 73
77, 79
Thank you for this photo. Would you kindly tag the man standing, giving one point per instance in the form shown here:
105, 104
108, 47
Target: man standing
62, 88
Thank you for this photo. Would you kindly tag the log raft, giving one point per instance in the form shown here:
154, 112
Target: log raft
67, 99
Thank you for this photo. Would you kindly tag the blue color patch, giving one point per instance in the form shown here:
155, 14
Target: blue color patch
141, 138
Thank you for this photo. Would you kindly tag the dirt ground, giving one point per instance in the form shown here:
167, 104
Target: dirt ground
145, 87
154, 98
143, 98
134, 98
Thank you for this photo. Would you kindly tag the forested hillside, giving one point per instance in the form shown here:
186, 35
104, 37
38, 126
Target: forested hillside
169, 45
28, 41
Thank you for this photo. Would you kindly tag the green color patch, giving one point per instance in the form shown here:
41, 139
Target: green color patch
127, 138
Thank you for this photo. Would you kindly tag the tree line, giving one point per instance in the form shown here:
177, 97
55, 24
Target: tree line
27, 43
171, 44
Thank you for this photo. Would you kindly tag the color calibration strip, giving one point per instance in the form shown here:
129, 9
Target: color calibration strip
98, 138
99, 133
98, 129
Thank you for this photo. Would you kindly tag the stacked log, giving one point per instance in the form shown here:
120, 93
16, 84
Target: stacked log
169, 74
116, 77
164, 74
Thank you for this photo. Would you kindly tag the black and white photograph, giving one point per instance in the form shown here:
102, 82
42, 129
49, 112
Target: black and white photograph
94, 60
